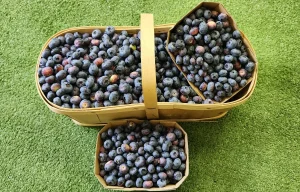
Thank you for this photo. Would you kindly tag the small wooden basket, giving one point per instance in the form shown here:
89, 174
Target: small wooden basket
221, 9
124, 122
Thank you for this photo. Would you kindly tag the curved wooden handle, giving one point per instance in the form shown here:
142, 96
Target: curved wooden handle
148, 66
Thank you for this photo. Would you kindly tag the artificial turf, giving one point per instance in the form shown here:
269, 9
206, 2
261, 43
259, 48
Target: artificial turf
255, 147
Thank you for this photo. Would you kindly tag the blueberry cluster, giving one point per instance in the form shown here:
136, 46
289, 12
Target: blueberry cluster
142, 155
172, 86
211, 53
92, 70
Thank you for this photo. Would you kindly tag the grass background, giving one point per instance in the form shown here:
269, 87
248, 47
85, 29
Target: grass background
255, 147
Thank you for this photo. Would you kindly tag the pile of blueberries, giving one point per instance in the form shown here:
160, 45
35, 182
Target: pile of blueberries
142, 155
211, 54
172, 86
92, 70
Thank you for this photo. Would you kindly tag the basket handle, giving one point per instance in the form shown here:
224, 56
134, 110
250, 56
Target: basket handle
148, 66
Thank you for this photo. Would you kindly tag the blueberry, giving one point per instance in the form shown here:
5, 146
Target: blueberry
50, 64
242, 73
233, 74
172, 47
236, 34
182, 156
203, 28
156, 154
197, 99
55, 42
82, 74
214, 35
250, 67
123, 169
161, 183
243, 59
147, 184
208, 57
85, 90
139, 162
147, 177
222, 79
125, 147
112, 154
174, 99
191, 78
218, 86
168, 82
222, 73
61, 75
121, 181
96, 34
139, 182
133, 146
203, 86
183, 52
207, 38
111, 180
148, 148
51, 95
179, 30
176, 163
235, 52
153, 142
187, 22
65, 98
231, 43
208, 94
186, 60
214, 76
228, 67
143, 171
186, 29
174, 154
207, 14
145, 139
118, 159
222, 17
110, 30
110, 165
165, 154
243, 82
188, 40
185, 90
46, 53
179, 44
124, 51
227, 87
50, 79
103, 81
129, 183
127, 176
196, 22
169, 164
150, 160
114, 96
232, 82
177, 175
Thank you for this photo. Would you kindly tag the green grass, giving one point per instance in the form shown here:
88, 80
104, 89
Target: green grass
254, 148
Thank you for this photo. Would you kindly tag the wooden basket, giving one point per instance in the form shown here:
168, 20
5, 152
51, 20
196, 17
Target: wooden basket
124, 122
220, 8
150, 109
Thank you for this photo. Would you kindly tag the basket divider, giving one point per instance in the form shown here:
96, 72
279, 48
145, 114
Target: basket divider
148, 66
